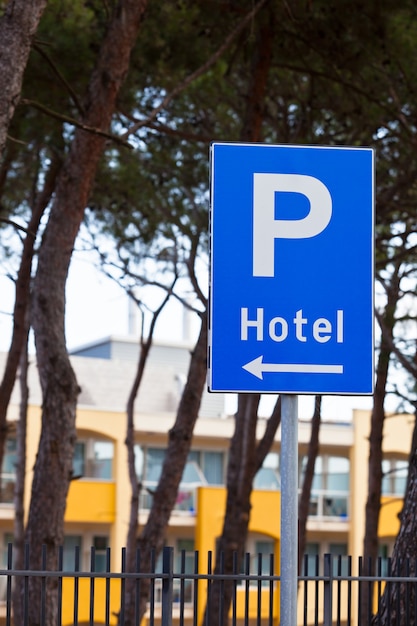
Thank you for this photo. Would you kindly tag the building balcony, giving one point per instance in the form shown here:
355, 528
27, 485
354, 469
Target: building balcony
184, 505
324, 505
389, 517
8, 482
329, 505
91, 501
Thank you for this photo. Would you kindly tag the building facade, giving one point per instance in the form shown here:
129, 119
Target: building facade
98, 503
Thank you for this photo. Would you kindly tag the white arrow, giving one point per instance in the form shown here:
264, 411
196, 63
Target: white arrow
257, 367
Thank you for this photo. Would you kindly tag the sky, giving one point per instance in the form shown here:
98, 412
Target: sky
96, 307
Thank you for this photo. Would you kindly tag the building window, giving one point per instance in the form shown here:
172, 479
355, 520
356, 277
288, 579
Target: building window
71, 543
92, 553
257, 557
93, 459
203, 467
78, 461
330, 488
9, 458
268, 476
337, 473
314, 554
7, 538
311, 559
152, 466
263, 551
100, 545
395, 474
384, 554
210, 465
340, 561
184, 558
9, 471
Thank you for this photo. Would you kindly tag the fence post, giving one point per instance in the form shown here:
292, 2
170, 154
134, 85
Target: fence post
328, 590
167, 585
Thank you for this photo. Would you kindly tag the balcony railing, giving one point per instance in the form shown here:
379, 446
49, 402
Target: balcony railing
324, 504
186, 497
329, 504
8, 482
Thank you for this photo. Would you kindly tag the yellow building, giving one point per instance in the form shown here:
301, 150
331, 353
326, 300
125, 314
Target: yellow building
98, 503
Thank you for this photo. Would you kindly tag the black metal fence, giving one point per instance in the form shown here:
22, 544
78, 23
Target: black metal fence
181, 592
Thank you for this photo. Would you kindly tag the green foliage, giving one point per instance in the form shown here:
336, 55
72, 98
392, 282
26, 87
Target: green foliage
338, 73
56, 76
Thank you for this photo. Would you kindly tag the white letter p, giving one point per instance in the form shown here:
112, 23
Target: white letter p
266, 228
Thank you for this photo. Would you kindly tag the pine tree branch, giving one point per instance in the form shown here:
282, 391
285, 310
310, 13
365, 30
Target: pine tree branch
70, 120
199, 71
60, 77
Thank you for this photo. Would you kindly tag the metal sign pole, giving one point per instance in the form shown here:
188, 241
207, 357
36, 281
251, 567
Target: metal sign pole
289, 510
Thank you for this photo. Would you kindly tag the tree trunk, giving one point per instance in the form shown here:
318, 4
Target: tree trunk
257, 87
373, 503
304, 503
132, 531
245, 459
398, 603
17, 28
179, 443
53, 467
412, 451
21, 298
243, 462
19, 492
240, 474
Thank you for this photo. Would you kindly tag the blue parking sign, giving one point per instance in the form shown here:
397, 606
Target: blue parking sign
291, 305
